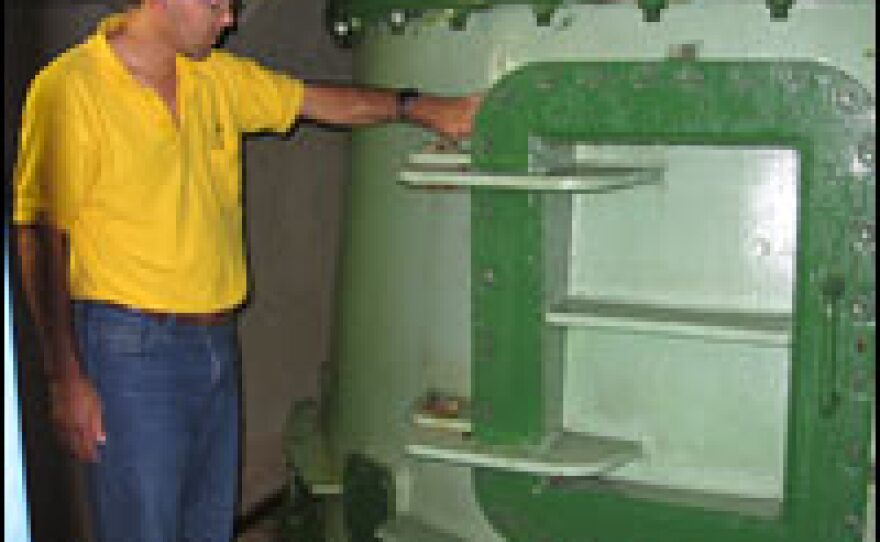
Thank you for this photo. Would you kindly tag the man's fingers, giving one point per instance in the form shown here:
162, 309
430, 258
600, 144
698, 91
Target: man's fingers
86, 446
93, 433
83, 437
75, 445
98, 425
90, 447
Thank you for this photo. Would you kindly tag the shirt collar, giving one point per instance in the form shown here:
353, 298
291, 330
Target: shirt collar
106, 52
102, 46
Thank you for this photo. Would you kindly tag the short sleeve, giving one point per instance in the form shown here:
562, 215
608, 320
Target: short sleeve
264, 100
50, 171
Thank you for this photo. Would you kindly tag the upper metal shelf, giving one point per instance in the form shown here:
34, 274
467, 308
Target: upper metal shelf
449, 170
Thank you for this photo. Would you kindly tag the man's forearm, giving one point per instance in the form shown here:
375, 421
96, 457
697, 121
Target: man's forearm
349, 106
43, 259
357, 106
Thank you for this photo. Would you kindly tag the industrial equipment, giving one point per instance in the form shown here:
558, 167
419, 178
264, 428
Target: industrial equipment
638, 305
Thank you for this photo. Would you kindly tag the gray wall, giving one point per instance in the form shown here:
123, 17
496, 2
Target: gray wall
294, 192
34, 33
293, 199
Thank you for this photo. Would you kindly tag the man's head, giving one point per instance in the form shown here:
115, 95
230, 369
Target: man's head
191, 27
198, 24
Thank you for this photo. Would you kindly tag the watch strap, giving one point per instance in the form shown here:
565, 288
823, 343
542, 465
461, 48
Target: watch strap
405, 98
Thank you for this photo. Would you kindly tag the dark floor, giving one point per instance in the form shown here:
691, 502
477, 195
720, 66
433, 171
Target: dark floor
263, 531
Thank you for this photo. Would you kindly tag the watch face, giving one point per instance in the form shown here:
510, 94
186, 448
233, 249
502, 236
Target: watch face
405, 99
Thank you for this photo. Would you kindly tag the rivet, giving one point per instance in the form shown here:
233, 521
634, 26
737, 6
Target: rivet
865, 239
779, 9
545, 84
689, 76
489, 276
591, 81
684, 51
855, 454
865, 154
854, 523
860, 378
793, 83
861, 345
398, 17
341, 28
565, 22
846, 100
458, 19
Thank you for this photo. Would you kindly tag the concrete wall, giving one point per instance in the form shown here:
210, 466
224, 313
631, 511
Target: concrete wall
34, 33
293, 199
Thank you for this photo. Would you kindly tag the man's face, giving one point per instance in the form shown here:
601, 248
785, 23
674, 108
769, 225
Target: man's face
198, 24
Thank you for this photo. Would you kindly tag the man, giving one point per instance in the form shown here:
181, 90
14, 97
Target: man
129, 223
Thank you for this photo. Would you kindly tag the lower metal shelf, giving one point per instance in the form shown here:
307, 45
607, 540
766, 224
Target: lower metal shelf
562, 455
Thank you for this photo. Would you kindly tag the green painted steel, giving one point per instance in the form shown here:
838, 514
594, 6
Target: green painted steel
409, 284
828, 118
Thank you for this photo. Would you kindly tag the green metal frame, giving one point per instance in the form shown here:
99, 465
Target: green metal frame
823, 114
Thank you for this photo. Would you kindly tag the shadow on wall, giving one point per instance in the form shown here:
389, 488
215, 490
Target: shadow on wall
36, 31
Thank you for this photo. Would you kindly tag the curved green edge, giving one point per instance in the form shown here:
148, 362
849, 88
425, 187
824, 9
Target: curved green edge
819, 111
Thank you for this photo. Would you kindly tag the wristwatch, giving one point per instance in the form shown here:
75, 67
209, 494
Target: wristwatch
405, 99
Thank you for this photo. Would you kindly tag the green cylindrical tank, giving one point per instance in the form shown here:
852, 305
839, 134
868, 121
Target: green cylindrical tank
404, 316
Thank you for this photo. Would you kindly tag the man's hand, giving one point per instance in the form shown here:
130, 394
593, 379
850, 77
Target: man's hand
448, 117
76, 411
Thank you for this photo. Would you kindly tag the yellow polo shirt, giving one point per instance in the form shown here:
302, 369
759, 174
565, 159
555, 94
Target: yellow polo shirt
153, 209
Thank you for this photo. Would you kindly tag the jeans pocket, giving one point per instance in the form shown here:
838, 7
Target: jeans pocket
122, 334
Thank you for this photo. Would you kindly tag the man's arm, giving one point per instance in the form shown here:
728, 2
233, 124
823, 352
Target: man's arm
352, 106
43, 259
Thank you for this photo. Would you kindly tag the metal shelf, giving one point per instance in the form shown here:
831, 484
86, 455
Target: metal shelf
761, 507
322, 479
740, 326
448, 170
561, 455
409, 529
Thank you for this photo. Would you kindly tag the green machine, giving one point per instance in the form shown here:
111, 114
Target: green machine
637, 306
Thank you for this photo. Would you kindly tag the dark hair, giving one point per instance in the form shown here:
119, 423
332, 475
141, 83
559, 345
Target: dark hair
122, 4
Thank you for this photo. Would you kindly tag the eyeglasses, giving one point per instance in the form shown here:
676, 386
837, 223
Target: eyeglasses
219, 7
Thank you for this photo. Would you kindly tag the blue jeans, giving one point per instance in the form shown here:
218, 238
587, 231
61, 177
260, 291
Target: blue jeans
169, 391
